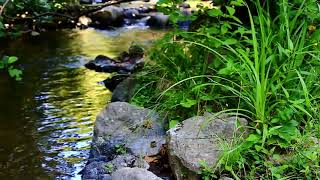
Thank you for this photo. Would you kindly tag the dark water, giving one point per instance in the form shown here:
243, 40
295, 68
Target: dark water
46, 120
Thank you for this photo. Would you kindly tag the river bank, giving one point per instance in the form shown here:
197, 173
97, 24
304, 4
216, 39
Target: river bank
46, 120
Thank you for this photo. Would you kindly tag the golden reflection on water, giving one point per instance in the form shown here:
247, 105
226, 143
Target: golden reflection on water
93, 42
70, 101
47, 122
75, 97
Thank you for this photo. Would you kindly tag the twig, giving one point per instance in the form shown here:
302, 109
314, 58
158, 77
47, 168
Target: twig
3, 6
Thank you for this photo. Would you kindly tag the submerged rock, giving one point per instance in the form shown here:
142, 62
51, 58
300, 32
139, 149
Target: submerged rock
198, 139
134, 174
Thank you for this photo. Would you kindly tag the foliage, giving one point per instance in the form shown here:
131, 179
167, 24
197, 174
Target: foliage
19, 15
109, 167
120, 149
266, 69
7, 63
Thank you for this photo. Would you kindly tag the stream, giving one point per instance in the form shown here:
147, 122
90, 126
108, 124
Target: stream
46, 120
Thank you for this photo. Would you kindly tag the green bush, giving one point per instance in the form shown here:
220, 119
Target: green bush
267, 71
7, 64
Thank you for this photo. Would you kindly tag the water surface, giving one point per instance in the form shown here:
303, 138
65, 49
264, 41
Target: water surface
46, 120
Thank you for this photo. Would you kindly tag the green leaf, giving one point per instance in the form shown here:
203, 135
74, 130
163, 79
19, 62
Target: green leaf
230, 41
213, 30
231, 10
1, 26
15, 73
224, 28
229, 69
173, 123
237, 3
188, 103
12, 59
215, 12
253, 138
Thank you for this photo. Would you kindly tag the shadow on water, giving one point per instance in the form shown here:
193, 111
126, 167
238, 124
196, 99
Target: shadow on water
46, 120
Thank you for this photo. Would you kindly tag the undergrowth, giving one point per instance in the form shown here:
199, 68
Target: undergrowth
266, 69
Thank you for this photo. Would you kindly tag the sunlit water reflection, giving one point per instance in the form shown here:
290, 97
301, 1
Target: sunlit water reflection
46, 120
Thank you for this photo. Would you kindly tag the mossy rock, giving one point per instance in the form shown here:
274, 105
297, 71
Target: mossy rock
136, 50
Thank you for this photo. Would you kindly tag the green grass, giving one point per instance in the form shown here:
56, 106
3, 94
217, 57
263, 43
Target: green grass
267, 71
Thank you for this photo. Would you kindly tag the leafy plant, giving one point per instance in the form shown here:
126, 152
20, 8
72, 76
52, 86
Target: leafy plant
109, 167
7, 63
120, 149
266, 70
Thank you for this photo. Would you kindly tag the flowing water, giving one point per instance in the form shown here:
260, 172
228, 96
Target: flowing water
46, 120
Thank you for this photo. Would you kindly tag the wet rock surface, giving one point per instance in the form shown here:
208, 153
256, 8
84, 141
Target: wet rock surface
108, 16
124, 90
134, 174
123, 135
126, 63
197, 139
113, 82
105, 64
158, 20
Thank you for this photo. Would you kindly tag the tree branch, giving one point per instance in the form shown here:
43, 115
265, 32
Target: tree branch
97, 8
3, 6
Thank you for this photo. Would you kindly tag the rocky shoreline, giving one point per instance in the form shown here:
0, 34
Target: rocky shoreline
132, 142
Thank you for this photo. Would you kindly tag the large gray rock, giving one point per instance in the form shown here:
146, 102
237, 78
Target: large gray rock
134, 174
197, 139
123, 135
108, 16
131, 13
139, 130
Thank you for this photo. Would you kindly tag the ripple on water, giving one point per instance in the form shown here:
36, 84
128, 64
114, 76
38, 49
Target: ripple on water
68, 102
46, 120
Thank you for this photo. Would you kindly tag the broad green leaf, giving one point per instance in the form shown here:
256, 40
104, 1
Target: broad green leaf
253, 138
215, 12
213, 30
224, 28
16, 73
231, 10
230, 41
188, 103
237, 3
12, 59
173, 123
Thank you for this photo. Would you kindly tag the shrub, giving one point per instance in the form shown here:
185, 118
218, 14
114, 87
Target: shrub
267, 71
